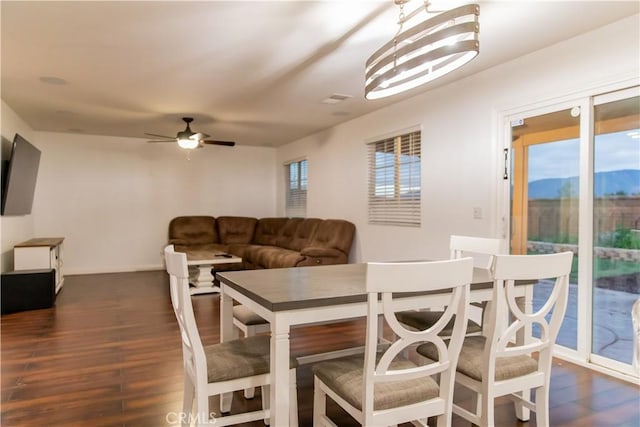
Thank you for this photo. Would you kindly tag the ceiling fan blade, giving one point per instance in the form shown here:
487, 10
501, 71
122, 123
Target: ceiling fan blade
162, 140
161, 136
225, 143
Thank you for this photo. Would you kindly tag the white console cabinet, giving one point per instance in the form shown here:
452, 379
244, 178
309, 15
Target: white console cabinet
40, 253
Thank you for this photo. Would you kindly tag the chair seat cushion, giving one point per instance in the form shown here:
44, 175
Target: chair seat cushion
345, 377
422, 320
470, 361
239, 358
246, 316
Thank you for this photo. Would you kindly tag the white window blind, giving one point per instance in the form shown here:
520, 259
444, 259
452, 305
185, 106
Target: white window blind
296, 203
394, 180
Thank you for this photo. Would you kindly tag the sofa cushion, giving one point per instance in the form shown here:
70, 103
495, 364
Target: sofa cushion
268, 230
240, 249
236, 229
335, 234
288, 231
193, 230
274, 257
301, 237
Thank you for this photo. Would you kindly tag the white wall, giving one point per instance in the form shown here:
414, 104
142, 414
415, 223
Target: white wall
112, 198
13, 229
461, 158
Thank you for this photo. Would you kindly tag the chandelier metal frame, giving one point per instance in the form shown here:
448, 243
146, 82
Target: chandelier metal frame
424, 52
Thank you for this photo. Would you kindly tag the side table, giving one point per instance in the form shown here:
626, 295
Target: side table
200, 263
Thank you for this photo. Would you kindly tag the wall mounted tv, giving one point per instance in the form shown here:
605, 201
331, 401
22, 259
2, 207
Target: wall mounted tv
19, 182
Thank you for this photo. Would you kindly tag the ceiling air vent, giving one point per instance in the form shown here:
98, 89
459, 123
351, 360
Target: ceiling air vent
335, 98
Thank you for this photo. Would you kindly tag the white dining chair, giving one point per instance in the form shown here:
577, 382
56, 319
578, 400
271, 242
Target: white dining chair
248, 322
482, 250
496, 364
385, 388
218, 369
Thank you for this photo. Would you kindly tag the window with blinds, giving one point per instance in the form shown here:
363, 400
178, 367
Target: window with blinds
296, 197
394, 180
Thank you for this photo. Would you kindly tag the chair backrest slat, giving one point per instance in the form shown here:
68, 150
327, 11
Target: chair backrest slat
551, 269
193, 350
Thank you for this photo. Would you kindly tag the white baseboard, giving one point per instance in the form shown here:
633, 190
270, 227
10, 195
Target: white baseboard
128, 269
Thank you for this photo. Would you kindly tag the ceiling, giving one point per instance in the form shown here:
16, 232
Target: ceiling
251, 72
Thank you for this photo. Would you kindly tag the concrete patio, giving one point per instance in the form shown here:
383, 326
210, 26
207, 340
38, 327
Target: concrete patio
613, 331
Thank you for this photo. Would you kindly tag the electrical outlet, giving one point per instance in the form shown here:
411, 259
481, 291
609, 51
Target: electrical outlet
477, 213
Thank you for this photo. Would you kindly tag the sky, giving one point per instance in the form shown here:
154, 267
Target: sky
560, 159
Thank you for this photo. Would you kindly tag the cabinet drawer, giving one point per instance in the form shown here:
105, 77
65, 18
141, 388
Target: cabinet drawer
31, 258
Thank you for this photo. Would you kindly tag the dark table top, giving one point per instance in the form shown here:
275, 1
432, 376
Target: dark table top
281, 289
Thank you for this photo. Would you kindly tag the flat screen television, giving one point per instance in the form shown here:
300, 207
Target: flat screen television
20, 178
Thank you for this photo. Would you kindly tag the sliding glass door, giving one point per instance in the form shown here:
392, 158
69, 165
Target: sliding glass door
544, 197
575, 185
616, 224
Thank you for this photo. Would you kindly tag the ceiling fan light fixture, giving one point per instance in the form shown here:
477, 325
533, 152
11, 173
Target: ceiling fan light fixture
188, 139
423, 52
188, 143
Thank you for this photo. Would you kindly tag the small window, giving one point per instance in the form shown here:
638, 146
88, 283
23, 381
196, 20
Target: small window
296, 203
394, 180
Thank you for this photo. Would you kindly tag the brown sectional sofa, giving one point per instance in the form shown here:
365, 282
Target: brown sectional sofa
265, 242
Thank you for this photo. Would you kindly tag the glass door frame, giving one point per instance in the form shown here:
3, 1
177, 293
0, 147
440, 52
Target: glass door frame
598, 100
585, 100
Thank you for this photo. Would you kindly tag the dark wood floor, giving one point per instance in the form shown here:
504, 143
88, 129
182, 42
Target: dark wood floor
108, 354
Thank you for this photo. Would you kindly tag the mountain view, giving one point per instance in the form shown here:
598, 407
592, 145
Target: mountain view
620, 182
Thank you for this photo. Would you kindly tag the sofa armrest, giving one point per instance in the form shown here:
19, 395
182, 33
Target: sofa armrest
322, 256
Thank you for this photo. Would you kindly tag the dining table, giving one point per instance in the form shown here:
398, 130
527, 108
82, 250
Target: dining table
288, 297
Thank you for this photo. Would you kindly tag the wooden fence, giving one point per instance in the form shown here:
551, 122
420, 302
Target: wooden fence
552, 219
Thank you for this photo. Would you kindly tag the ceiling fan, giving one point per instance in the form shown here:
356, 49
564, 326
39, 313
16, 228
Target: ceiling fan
188, 139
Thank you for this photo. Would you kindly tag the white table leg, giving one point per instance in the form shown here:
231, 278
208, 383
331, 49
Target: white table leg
280, 393
226, 334
226, 317
201, 278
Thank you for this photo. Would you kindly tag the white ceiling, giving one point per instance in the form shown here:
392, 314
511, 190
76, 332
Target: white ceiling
252, 72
